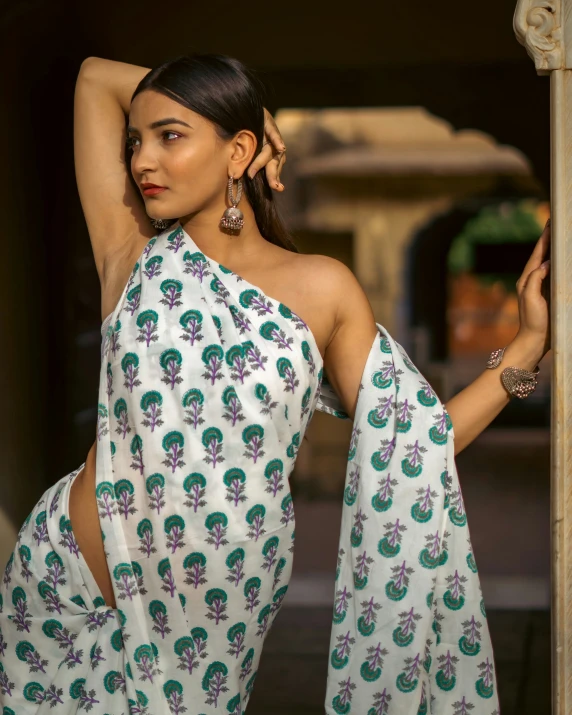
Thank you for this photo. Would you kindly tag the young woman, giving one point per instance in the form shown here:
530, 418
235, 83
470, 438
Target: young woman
147, 579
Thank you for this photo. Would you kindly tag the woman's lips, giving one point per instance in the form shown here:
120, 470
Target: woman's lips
154, 190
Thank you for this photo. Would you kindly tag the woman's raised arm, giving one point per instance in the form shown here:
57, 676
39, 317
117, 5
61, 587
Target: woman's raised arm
475, 407
113, 210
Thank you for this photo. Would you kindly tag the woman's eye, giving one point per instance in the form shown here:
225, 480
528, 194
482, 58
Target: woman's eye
133, 142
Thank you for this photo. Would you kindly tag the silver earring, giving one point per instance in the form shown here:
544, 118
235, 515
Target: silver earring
233, 218
160, 223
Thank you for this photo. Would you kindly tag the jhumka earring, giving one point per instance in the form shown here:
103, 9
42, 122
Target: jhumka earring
233, 218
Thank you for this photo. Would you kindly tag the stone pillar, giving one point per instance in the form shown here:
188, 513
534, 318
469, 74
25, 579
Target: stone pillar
373, 258
544, 27
382, 236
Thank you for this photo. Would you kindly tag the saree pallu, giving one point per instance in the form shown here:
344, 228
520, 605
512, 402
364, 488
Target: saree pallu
410, 633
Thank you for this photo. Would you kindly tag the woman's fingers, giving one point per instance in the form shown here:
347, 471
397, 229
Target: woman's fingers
272, 155
537, 286
272, 175
538, 255
280, 161
273, 169
272, 132
273, 166
536, 277
534, 304
261, 160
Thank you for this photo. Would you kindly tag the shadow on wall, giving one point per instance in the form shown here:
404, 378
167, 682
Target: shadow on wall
8, 537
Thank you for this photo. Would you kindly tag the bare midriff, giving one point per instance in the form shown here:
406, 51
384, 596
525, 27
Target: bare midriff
85, 524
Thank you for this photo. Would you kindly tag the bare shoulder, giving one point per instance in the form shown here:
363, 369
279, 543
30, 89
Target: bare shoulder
352, 327
318, 273
333, 282
327, 295
324, 269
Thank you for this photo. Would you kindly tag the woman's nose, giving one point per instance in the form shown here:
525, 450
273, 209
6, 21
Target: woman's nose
143, 160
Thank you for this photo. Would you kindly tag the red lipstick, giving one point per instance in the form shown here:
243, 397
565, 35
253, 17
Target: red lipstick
152, 189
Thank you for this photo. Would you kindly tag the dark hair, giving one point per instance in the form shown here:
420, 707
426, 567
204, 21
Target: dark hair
222, 90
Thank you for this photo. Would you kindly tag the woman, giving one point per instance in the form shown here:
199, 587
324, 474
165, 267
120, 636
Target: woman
146, 580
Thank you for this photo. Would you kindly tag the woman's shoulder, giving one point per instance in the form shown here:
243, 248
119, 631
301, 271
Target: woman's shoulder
331, 294
328, 276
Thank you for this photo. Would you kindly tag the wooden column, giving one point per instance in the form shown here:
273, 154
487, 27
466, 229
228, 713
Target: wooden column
544, 27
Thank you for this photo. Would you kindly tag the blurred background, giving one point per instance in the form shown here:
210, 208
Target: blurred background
418, 154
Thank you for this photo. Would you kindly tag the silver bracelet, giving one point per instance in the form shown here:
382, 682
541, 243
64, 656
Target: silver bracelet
516, 381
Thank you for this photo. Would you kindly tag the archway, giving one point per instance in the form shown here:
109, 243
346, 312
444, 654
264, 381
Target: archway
462, 267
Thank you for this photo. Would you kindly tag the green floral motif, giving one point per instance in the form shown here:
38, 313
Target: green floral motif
207, 387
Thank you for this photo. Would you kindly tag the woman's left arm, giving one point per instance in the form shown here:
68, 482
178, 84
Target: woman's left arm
475, 407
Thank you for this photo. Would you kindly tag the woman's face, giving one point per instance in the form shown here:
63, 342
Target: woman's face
178, 150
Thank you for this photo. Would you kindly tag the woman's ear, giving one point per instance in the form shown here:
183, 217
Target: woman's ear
243, 149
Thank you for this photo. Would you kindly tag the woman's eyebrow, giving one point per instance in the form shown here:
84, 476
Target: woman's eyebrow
162, 123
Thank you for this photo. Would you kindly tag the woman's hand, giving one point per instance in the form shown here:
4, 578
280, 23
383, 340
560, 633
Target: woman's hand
272, 156
475, 407
533, 297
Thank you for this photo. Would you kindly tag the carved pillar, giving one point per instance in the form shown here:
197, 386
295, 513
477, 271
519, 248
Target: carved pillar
382, 235
372, 263
544, 27
538, 26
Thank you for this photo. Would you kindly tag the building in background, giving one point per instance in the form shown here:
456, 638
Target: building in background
436, 225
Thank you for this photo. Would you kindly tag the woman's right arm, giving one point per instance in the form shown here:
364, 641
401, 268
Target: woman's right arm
113, 210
